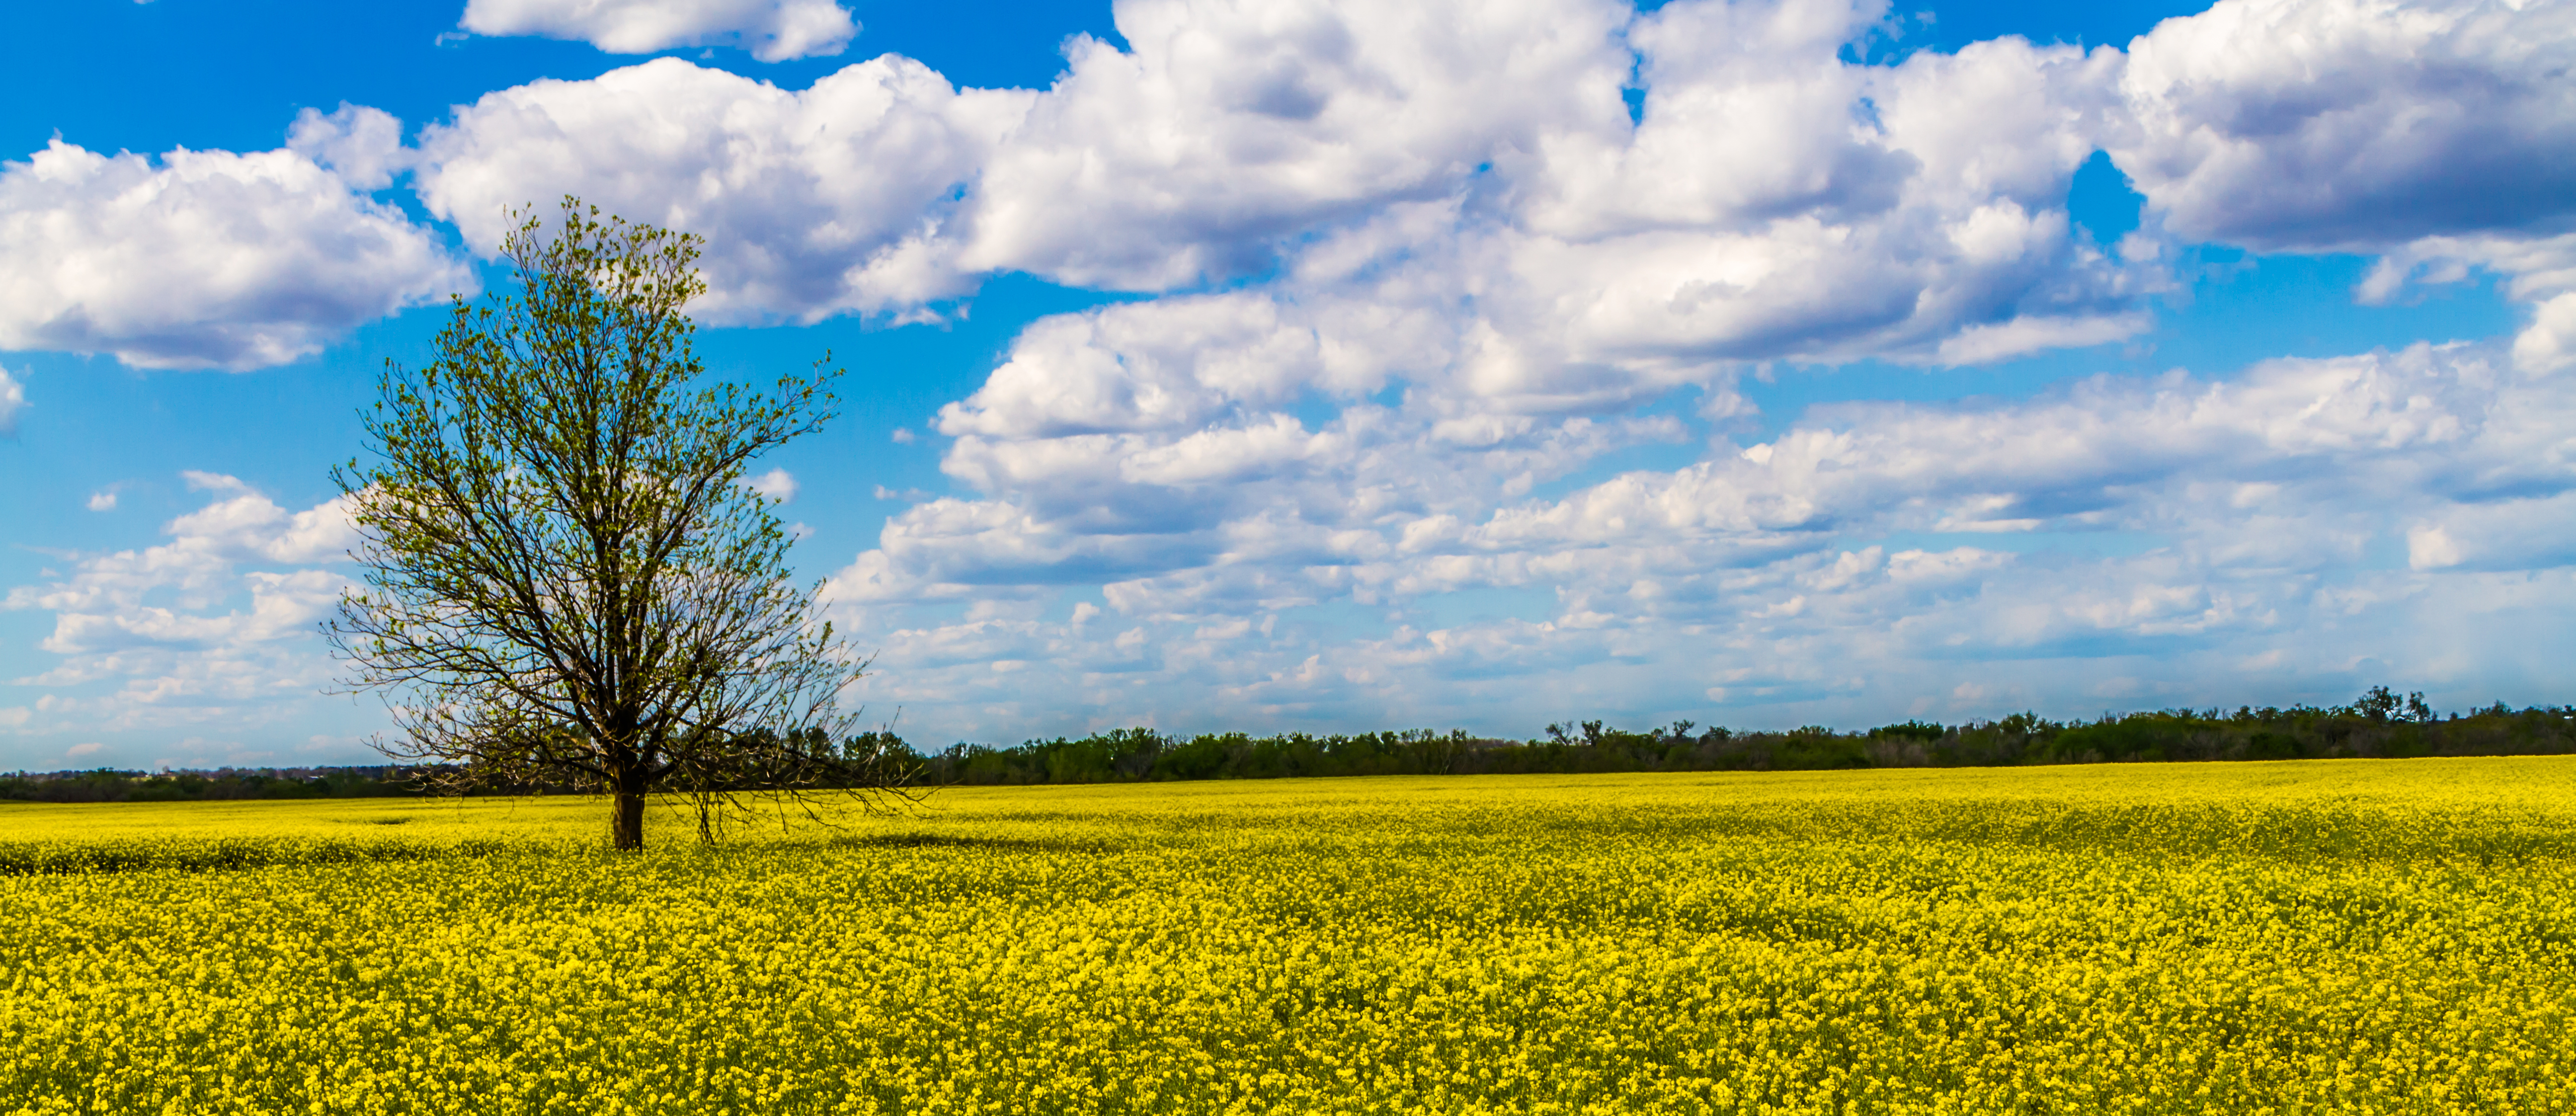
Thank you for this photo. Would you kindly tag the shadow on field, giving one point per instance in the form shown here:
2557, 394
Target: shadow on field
222, 854
1092, 846
232, 854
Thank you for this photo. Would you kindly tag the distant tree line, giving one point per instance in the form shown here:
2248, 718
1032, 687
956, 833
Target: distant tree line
110, 785
2379, 725
234, 783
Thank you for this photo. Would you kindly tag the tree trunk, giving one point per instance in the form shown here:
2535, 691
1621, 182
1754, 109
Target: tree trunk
626, 824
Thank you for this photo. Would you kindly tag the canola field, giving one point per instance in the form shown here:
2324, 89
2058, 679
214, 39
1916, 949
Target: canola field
2326, 936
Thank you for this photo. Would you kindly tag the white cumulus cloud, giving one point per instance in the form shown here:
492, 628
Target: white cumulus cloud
1234, 124
772, 30
2354, 125
200, 258
814, 203
362, 145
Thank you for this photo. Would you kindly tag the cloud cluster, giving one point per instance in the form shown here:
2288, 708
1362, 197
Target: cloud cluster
1471, 162
1771, 199
214, 625
201, 258
1471, 171
772, 30
2306, 525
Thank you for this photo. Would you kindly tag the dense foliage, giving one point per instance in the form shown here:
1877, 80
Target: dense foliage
2205, 939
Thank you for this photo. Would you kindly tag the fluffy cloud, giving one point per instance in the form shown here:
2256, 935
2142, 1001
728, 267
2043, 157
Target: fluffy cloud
1777, 201
1236, 124
201, 258
1774, 199
1172, 364
777, 484
1915, 211
214, 625
814, 203
1159, 436
2354, 125
773, 30
360, 144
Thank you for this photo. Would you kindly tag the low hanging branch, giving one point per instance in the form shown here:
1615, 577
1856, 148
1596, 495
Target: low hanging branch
566, 579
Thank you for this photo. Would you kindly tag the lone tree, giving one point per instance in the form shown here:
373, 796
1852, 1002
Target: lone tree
566, 578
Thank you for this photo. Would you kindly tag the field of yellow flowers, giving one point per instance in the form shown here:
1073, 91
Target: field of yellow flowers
2327, 936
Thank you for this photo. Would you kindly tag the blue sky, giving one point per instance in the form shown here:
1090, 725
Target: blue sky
1328, 366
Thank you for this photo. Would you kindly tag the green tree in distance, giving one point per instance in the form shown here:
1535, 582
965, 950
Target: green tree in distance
566, 579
